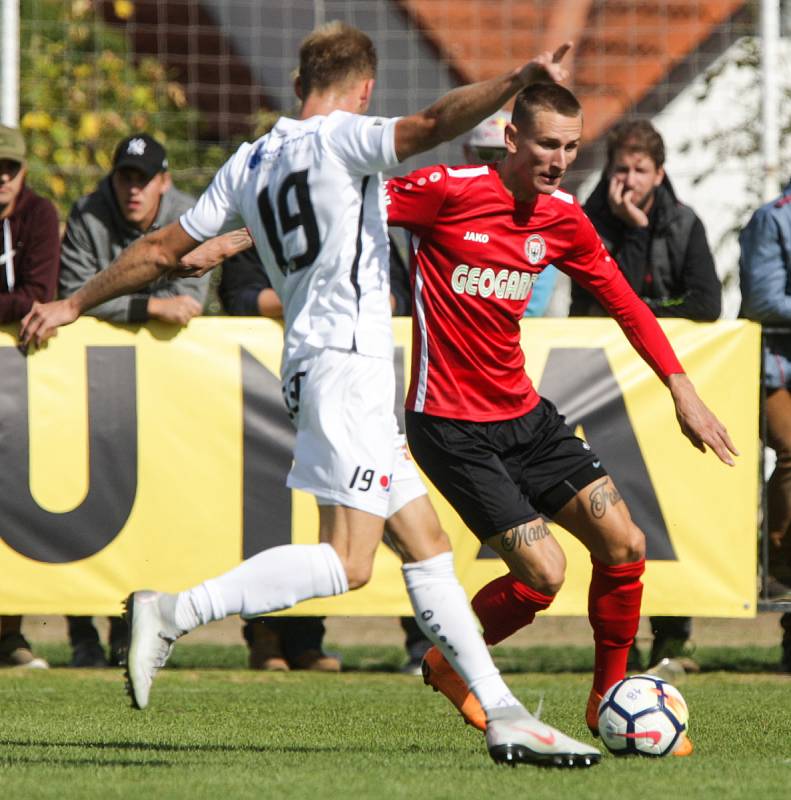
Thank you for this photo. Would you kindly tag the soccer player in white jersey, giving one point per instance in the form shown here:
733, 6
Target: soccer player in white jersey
310, 194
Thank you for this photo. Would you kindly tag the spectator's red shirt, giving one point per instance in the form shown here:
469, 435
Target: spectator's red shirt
475, 254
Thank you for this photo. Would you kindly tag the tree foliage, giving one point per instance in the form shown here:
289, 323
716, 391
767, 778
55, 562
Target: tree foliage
81, 93
734, 140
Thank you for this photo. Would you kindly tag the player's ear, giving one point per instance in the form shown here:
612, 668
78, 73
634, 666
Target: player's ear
366, 90
660, 176
510, 134
298, 87
167, 181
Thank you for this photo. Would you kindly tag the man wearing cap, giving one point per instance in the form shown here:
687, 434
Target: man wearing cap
29, 248
135, 198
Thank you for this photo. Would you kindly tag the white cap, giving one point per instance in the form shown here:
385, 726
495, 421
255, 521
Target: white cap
489, 133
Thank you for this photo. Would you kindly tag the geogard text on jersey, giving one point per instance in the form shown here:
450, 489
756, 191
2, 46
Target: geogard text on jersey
505, 284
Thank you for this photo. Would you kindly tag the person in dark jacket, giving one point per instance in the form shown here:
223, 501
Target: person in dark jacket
765, 282
660, 246
659, 243
30, 247
137, 197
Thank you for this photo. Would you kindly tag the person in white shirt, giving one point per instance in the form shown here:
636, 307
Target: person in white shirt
310, 194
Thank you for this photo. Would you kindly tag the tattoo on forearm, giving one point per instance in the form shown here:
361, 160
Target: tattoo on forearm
529, 533
603, 496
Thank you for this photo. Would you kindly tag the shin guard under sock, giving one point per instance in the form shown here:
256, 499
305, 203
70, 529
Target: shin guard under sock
505, 605
444, 616
614, 612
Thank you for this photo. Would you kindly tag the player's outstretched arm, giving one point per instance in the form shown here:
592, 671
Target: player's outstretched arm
138, 265
697, 422
462, 109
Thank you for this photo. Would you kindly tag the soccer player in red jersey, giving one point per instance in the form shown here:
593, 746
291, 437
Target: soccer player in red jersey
499, 453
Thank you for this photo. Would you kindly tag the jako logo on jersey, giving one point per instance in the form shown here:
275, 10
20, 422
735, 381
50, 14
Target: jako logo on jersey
535, 248
505, 284
472, 236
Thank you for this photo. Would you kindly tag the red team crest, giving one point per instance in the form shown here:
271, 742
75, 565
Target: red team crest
535, 249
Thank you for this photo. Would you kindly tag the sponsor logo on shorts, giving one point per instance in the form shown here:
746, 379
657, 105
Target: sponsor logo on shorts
363, 479
535, 248
505, 284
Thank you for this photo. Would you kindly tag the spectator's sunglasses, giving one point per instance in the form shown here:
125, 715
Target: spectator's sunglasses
9, 167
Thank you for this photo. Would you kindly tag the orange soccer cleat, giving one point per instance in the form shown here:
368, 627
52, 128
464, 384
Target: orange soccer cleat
684, 746
592, 712
441, 676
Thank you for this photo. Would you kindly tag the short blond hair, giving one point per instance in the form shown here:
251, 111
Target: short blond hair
333, 54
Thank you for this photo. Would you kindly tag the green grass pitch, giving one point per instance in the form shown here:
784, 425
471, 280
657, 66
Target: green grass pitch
216, 730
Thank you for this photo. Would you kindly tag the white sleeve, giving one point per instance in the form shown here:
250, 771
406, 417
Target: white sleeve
216, 211
364, 145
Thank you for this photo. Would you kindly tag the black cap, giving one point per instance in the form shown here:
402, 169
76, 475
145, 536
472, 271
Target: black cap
142, 152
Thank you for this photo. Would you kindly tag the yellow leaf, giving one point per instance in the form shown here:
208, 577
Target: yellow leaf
124, 9
57, 185
36, 121
90, 125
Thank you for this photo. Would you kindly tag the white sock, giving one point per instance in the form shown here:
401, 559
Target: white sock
445, 617
269, 581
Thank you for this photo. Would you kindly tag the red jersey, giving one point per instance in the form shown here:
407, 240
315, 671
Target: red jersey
475, 254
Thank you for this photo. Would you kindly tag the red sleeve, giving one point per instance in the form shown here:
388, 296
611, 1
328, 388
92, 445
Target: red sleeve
590, 265
414, 200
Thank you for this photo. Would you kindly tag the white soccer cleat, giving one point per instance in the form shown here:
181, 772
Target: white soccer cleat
152, 633
514, 736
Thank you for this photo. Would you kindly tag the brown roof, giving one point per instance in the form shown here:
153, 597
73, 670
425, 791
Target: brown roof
174, 32
623, 48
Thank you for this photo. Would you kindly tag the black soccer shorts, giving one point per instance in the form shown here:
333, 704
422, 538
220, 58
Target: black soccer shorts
497, 475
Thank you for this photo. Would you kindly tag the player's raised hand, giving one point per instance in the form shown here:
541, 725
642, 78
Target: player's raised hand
43, 320
213, 252
697, 422
547, 67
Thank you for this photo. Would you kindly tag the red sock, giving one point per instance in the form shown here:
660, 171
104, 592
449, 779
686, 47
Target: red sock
505, 605
614, 613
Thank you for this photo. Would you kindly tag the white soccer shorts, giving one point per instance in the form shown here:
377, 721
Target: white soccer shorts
348, 450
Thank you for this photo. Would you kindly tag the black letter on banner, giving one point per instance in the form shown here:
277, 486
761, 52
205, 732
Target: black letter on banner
58, 538
268, 448
581, 384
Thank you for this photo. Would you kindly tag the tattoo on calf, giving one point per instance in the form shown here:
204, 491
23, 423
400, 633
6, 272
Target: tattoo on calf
528, 533
603, 496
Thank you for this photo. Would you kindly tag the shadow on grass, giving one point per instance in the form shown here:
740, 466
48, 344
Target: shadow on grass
81, 762
390, 659
187, 748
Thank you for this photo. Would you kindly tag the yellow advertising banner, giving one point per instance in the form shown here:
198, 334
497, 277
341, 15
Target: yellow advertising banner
152, 457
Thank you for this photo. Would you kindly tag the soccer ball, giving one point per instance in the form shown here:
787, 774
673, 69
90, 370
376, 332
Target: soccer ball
642, 715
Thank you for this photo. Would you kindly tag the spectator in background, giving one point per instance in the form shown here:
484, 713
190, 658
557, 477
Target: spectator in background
659, 243
276, 644
661, 247
30, 246
765, 275
135, 198
485, 145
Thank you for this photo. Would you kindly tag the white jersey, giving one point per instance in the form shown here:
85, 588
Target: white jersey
311, 195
